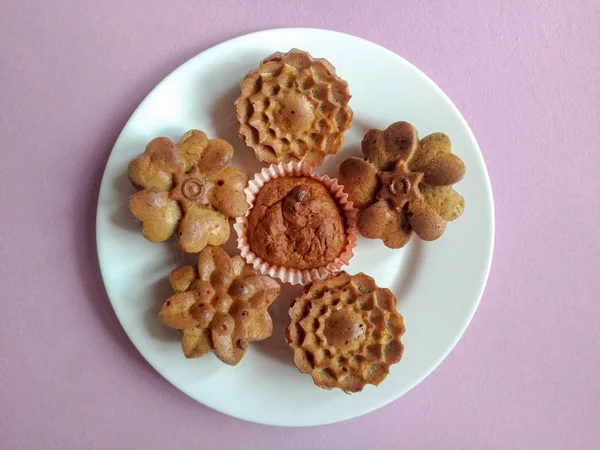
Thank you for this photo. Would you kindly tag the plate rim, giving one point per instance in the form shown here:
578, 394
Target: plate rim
488, 188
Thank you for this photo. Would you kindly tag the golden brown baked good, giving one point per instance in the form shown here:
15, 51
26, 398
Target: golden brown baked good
404, 184
220, 305
345, 332
293, 107
295, 223
186, 189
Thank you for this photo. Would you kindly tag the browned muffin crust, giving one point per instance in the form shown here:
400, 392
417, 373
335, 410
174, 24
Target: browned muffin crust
295, 223
293, 107
345, 332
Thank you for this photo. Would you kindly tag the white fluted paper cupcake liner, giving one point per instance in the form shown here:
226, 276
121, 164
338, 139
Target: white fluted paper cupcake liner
297, 276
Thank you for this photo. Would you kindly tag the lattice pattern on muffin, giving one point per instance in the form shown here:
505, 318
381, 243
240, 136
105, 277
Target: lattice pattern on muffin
293, 107
345, 332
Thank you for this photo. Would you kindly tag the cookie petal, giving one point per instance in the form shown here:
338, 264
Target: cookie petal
435, 160
380, 221
216, 156
176, 311
191, 147
397, 143
230, 341
373, 147
154, 169
401, 141
425, 220
228, 194
182, 277
159, 214
201, 227
214, 265
448, 203
431, 145
443, 170
360, 180
261, 327
259, 291
195, 341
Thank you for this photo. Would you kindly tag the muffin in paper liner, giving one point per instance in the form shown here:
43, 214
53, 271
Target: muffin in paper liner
291, 275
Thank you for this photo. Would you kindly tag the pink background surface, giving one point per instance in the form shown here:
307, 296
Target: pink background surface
525, 76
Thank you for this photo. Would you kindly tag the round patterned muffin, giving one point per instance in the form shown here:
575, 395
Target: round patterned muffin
295, 223
293, 107
345, 332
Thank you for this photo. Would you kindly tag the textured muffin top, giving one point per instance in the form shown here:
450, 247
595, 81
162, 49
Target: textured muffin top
293, 107
345, 332
295, 223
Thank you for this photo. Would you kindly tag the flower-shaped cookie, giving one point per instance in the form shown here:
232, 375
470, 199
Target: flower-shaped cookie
219, 305
186, 189
293, 107
345, 332
404, 184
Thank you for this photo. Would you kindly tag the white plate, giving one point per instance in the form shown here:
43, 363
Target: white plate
438, 284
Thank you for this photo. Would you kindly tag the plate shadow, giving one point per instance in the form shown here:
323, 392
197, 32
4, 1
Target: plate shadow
404, 282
